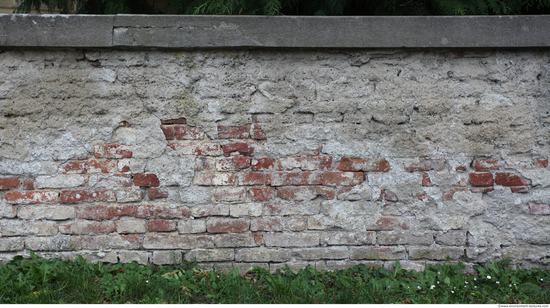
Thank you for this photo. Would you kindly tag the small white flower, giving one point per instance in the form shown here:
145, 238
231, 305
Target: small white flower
466, 282
455, 287
388, 287
475, 278
438, 273
541, 279
453, 292
147, 281
475, 287
498, 282
432, 287
419, 288
488, 277
510, 286
438, 282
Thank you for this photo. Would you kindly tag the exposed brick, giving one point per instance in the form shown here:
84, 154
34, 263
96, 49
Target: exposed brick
155, 193
110, 181
214, 179
390, 223
131, 194
251, 178
166, 257
451, 238
75, 196
349, 238
377, 253
233, 132
423, 196
169, 132
294, 178
169, 241
342, 178
229, 194
88, 227
116, 151
304, 163
543, 163
521, 189
426, 181
481, 179
174, 121
28, 184
258, 133
131, 226
204, 163
60, 181
262, 193
243, 148
486, 164
161, 225
103, 212
123, 165
192, 226
31, 197
146, 180
290, 208
539, 209
264, 163
363, 164
426, 164
11, 244
210, 255
9, 183
8, 211
291, 239
449, 193
140, 257
247, 209
460, 169
266, 224
206, 149
262, 254
345, 193
327, 253
87, 166
47, 212
110, 242
508, 179
480, 190
70, 243
44, 228
232, 163
304, 193
210, 210
159, 211
233, 240
188, 133
226, 225
435, 253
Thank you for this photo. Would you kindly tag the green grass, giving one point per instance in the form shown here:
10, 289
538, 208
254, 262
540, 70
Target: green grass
38, 281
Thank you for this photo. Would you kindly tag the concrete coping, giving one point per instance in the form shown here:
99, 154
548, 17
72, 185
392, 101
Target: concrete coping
182, 32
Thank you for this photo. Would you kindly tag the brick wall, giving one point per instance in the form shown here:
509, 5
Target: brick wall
255, 158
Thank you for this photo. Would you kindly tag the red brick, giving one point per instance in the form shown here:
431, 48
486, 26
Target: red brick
146, 180
117, 151
161, 225
423, 196
103, 212
363, 164
391, 223
521, 189
204, 163
159, 211
244, 148
342, 178
539, 209
264, 163
258, 133
207, 149
460, 169
229, 194
449, 193
481, 189
214, 179
169, 132
426, 181
232, 163
155, 193
294, 178
258, 238
268, 224
9, 183
233, 132
481, 179
75, 196
225, 225
543, 163
508, 179
344, 193
262, 193
486, 164
28, 184
251, 178
304, 163
174, 121
303, 193
31, 197
188, 133
88, 166
87, 227
427, 164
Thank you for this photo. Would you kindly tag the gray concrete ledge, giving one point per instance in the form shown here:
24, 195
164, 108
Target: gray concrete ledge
168, 31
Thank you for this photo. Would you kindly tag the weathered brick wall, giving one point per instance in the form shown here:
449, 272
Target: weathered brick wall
262, 158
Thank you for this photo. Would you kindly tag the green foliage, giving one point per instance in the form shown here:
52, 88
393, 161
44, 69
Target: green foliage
297, 7
35, 280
